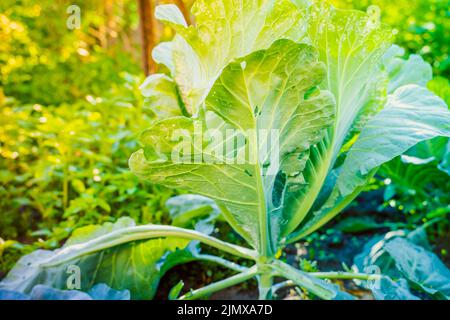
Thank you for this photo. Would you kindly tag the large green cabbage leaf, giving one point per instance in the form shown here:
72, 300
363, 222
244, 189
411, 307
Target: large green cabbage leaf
135, 266
413, 70
351, 44
405, 257
42, 292
375, 127
224, 30
273, 89
321, 174
412, 114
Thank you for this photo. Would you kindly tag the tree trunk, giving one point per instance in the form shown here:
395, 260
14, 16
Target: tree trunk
109, 21
147, 24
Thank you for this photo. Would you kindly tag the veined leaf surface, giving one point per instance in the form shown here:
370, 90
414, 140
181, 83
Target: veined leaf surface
273, 90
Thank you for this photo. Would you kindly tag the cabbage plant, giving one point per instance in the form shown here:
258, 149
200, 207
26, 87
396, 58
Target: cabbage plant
311, 101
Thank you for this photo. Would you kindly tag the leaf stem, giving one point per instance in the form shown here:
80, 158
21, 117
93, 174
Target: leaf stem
223, 262
265, 282
220, 285
131, 234
329, 275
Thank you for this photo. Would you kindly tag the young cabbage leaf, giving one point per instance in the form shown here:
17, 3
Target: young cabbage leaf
136, 266
413, 70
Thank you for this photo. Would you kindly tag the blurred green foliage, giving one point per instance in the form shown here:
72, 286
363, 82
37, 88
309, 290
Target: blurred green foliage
65, 167
70, 161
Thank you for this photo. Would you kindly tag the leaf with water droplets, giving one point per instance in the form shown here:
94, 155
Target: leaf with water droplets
224, 30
